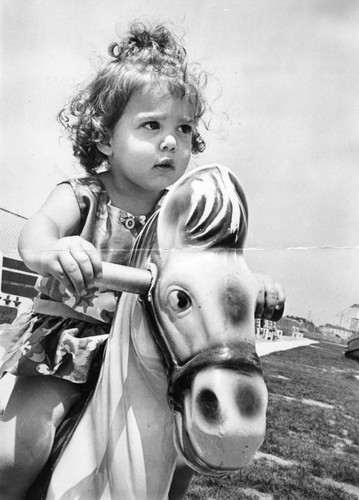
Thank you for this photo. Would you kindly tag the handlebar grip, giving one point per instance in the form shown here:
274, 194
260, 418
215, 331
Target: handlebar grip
125, 279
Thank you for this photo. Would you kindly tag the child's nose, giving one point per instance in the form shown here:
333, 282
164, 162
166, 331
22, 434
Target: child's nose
168, 143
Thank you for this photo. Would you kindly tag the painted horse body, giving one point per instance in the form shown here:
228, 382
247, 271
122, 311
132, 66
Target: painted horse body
189, 341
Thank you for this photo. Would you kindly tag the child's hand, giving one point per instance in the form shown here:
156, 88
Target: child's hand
270, 299
74, 262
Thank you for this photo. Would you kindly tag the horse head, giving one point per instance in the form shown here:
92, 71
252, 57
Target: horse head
201, 306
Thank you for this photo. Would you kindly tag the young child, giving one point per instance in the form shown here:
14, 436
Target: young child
138, 117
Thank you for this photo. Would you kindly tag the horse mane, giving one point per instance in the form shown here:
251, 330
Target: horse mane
209, 208
204, 209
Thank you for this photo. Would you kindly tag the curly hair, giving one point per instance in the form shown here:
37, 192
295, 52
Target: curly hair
145, 55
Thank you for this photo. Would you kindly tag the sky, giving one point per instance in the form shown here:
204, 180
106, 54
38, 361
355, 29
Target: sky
283, 89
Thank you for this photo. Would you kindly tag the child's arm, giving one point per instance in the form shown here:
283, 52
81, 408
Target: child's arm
47, 247
270, 299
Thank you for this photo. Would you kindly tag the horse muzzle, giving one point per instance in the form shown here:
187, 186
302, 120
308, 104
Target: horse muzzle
221, 418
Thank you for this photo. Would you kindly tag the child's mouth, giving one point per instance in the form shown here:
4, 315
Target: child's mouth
165, 165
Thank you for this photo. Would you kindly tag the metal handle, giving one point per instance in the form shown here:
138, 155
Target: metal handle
125, 279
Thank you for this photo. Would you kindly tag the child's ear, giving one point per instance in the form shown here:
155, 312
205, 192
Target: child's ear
105, 146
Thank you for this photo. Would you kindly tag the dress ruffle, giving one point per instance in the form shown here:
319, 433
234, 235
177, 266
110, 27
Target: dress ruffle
37, 344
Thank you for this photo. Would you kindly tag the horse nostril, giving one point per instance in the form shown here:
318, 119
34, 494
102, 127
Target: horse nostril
248, 401
209, 406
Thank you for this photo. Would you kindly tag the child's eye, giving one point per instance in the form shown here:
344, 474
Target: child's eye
186, 129
151, 125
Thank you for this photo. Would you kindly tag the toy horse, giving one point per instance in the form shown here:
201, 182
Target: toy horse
180, 375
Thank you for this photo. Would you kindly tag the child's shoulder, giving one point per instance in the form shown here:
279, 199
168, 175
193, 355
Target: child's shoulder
88, 191
91, 182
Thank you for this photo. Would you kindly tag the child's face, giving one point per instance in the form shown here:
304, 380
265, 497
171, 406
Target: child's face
150, 145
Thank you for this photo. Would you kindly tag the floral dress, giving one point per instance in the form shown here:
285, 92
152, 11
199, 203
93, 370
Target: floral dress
62, 333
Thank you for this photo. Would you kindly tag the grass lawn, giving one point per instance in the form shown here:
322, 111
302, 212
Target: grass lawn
311, 450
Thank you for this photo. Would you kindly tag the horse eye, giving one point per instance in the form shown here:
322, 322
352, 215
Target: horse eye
179, 300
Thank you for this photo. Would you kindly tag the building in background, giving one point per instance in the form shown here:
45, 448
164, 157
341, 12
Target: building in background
346, 327
17, 282
335, 333
349, 318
